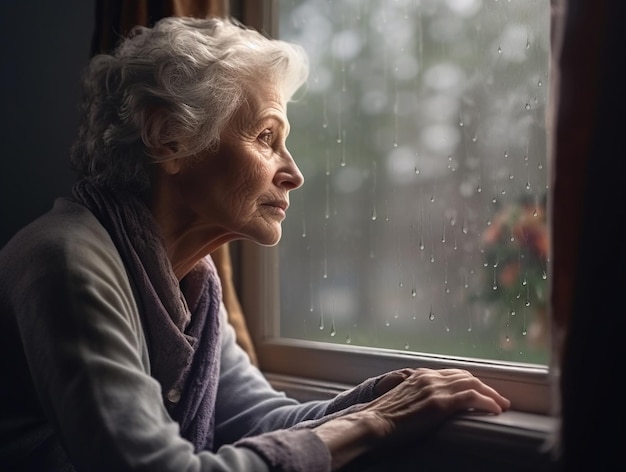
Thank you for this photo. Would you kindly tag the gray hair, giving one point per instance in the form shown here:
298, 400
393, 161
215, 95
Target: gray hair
176, 84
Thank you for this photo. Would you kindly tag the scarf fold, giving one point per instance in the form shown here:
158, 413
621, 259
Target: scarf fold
180, 321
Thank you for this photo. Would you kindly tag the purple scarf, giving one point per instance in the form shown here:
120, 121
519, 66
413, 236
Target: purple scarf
180, 321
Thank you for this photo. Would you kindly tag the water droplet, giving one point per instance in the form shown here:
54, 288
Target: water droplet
417, 171
414, 293
474, 138
406, 346
539, 83
374, 214
499, 50
431, 315
528, 107
524, 332
348, 339
333, 331
387, 323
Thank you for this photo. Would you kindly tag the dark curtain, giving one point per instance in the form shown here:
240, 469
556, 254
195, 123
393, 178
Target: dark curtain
588, 213
115, 18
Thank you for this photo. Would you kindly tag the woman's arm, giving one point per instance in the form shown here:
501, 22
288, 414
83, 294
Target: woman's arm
247, 404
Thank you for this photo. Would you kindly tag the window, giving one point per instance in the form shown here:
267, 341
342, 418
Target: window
419, 237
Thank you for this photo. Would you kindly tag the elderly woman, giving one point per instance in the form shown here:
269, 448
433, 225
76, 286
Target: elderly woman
115, 346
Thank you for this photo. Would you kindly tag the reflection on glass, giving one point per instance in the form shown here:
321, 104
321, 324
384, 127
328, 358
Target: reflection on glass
421, 225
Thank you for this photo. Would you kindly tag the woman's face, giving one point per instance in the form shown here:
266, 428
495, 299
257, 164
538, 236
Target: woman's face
243, 188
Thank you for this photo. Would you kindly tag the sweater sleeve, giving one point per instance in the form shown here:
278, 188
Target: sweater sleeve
248, 405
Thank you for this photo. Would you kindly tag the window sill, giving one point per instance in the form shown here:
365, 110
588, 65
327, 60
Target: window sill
513, 441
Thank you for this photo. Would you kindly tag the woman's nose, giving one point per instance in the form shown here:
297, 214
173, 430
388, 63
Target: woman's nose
289, 175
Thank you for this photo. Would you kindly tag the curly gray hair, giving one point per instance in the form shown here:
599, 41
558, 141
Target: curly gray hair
178, 82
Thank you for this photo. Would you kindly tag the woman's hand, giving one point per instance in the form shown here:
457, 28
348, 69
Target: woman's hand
422, 398
411, 402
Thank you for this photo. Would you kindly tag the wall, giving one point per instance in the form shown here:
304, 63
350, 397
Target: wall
43, 46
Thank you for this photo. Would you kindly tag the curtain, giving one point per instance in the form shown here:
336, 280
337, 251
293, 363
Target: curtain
588, 213
114, 19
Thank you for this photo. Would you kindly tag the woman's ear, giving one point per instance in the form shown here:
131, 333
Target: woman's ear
163, 153
166, 160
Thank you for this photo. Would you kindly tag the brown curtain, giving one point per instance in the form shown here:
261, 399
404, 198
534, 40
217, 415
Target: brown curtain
588, 213
114, 19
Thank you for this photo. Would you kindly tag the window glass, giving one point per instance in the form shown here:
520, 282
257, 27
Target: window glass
421, 225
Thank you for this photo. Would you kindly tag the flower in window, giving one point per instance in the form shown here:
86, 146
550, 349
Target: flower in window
515, 247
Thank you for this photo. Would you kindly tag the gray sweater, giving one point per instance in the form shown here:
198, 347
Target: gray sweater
78, 394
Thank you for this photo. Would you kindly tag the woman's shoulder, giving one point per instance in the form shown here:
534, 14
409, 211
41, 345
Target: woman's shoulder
67, 238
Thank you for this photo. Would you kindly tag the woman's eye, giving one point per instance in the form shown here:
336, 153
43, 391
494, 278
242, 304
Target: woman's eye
266, 136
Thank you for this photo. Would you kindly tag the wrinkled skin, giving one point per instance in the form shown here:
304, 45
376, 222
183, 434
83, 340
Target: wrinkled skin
427, 395
411, 403
239, 191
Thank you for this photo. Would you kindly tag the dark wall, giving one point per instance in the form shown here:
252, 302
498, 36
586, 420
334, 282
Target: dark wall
43, 47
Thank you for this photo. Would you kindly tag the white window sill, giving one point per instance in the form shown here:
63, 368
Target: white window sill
513, 441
